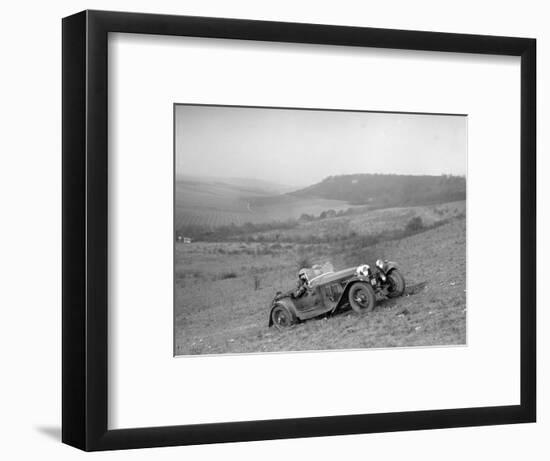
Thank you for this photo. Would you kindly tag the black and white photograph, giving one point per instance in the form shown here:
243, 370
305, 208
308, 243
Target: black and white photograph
316, 229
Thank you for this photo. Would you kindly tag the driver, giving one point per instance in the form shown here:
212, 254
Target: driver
302, 284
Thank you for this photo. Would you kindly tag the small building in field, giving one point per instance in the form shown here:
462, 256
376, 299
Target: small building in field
181, 239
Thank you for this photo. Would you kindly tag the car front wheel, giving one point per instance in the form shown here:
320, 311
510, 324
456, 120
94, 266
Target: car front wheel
281, 317
361, 297
396, 284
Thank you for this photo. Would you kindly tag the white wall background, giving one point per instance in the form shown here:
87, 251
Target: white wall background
30, 240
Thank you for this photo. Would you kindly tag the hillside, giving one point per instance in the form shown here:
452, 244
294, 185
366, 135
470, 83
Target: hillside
360, 223
381, 190
222, 302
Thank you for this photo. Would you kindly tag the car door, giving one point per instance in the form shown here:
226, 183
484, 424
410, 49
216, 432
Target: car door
331, 294
309, 301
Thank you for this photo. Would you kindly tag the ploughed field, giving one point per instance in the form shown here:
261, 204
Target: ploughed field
212, 204
224, 289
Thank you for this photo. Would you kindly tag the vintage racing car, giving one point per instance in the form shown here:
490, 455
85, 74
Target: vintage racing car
321, 290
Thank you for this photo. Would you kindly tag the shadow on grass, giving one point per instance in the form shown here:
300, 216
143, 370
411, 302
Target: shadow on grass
414, 289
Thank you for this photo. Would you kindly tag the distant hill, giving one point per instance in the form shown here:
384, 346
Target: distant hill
214, 202
384, 190
251, 186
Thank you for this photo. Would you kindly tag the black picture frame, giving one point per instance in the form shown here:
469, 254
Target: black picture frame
85, 224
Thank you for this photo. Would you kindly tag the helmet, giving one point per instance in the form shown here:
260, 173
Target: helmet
302, 275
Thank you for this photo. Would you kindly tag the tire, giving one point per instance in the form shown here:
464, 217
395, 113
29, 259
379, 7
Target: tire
397, 284
281, 317
361, 297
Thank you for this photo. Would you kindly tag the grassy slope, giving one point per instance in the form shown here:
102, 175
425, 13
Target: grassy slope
215, 314
372, 222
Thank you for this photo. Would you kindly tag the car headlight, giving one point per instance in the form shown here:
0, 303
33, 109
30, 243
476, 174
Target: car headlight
380, 264
363, 270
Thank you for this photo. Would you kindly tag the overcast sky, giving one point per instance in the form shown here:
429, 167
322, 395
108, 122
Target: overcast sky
302, 147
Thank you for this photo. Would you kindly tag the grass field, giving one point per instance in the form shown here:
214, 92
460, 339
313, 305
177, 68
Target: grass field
224, 289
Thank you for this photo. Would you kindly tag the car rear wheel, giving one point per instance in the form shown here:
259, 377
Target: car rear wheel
361, 297
397, 284
281, 317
